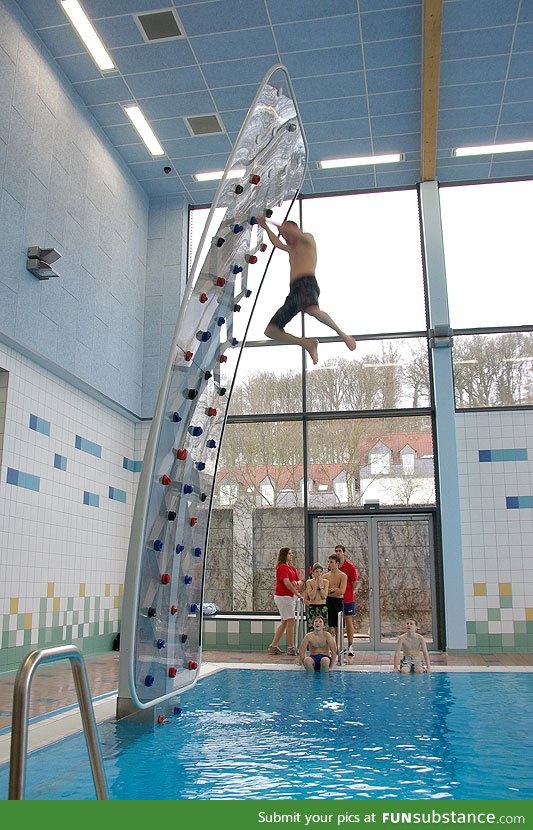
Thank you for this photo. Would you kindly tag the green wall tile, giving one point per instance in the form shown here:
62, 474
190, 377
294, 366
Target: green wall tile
494, 614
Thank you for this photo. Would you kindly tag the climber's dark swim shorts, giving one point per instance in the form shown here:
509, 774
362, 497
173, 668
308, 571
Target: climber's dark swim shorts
304, 292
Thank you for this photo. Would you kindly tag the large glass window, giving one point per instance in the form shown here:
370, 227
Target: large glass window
493, 370
489, 250
268, 381
369, 262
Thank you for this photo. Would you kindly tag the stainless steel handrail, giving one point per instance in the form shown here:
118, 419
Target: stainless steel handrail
340, 637
19, 729
299, 622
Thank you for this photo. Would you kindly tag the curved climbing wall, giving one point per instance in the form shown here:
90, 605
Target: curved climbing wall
162, 611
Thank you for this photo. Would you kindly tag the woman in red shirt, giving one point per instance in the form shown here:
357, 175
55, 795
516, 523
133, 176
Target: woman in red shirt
286, 591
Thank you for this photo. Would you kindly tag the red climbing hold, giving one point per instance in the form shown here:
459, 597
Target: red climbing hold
172, 672
263, 248
220, 281
192, 664
188, 355
251, 258
182, 454
165, 579
160, 719
194, 520
211, 410
223, 358
203, 297
174, 609
166, 480
255, 179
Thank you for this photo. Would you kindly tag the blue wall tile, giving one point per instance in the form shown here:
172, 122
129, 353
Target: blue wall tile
518, 502
91, 499
503, 455
39, 425
117, 495
88, 446
27, 480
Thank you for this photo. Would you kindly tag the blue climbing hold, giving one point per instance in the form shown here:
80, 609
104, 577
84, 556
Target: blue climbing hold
187, 488
234, 341
194, 608
149, 680
198, 551
188, 580
195, 431
158, 544
237, 228
253, 220
237, 269
176, 417
204, 336
161, 644
179, 548
221, 321
211, 444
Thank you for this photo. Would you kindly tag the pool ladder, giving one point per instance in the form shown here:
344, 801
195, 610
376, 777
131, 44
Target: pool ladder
19, 729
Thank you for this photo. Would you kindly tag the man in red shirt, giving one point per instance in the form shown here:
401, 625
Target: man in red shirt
349, 597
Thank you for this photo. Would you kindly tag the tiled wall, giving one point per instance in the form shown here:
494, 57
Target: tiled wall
239, 634
495, 455
63, 186
68, 475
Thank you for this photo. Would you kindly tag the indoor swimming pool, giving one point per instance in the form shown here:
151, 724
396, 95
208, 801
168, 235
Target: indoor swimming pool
246, 734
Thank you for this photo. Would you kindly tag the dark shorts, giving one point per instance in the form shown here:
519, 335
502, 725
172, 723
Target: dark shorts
304, 292
349, 609
334, 604
316, 658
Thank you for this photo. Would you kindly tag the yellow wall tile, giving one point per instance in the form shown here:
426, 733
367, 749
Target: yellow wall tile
57, 602
120, 589
116, 602
480, 589
107, 589
50, 592
506, 589
27, 622
14, 605
529, 614
82, 589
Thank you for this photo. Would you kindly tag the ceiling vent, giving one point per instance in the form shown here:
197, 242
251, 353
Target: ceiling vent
204, 124
159, 25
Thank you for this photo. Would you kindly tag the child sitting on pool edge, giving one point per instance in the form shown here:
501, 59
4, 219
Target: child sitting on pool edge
321, 644
411, 644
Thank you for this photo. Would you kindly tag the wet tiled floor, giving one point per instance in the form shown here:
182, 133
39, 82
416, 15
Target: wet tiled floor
53, 690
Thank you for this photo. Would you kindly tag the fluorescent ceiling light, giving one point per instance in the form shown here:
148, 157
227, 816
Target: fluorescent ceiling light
85, 29
144, 129
360, 161
217, 174
492, 149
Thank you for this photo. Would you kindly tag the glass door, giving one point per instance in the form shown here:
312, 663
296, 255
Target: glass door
394, 558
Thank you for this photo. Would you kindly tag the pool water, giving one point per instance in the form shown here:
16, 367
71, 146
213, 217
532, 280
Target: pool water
247, 734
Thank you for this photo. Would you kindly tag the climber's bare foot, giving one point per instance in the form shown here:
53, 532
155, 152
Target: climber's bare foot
350, 341
311, 345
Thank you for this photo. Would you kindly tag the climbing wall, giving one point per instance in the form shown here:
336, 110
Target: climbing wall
162, 610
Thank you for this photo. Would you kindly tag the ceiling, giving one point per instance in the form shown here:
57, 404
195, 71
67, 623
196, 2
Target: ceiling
356, 70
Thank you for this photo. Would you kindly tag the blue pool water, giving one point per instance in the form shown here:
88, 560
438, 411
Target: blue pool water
287, 735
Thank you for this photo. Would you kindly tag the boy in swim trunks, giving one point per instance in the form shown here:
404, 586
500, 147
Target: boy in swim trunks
304, 291
411, 644
337, 581
322, 649
316, 591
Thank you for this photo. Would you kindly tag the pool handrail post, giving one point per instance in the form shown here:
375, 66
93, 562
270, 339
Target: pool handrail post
299, 622
340, 637
19, 727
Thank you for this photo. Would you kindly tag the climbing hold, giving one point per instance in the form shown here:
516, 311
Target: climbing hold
172, 672
165, 579
203, 297
203, 496
220, 281
192, 664
176, 417
254, 178
200, 465
203, 336
237, 228
237, 269
223, 358
187, 488
191, 393
165, 480
236, 307
251, 259
161, 644
211, 411
160, 719
222, 391
196, 431
253, 220
188, 580
151, 612
171, 515
234, 342
263, 247
268, 213
194, 520
176, 711
197, 552
291, 127
174, 609
194, 608
248, 293
188, 355
238, 189
220, 241
149, 680
207, 375
211, 444
179, 548
183, 638
181, 454
158, 544
220, 321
